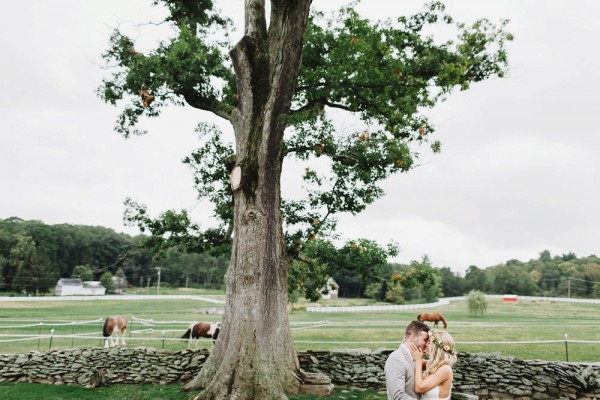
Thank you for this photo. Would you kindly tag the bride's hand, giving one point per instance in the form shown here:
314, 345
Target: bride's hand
417, 353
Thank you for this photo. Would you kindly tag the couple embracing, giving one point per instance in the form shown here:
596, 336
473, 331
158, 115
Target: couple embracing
406, 376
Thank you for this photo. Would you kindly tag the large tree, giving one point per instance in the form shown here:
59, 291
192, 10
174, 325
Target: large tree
34, 273
276, 86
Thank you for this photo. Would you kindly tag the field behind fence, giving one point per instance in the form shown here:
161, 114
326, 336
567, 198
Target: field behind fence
529, 329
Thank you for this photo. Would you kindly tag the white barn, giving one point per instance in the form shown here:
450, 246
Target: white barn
76, 287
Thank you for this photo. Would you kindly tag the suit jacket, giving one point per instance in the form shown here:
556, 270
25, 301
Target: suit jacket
400, 375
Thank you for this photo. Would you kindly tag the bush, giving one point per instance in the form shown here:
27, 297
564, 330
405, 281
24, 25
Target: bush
106, 281
477, 302
395, 294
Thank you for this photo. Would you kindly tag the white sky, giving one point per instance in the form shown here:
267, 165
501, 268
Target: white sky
518, 172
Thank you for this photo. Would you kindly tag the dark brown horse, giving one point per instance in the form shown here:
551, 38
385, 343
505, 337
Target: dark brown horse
196, 330
114, 326
432, 317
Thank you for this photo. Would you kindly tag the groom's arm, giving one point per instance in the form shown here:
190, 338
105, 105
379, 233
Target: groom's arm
395, 380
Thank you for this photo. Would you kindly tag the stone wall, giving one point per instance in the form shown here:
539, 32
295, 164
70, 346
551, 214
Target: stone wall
93, 367
476, 376
483, 376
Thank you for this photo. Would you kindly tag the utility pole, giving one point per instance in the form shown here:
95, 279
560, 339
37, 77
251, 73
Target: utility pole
158, 283
569, 287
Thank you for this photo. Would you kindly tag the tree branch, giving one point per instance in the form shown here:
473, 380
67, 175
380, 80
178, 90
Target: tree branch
255, 20
213, 105
317, 105
299, 257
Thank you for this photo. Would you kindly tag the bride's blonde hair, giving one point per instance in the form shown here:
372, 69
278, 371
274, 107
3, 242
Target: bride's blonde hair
441, 351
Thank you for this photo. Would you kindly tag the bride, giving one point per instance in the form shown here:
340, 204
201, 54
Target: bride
436, 382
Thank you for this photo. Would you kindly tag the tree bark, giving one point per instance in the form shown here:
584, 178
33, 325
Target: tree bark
254, 357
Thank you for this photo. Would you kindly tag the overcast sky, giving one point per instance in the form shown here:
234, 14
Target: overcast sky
519, 170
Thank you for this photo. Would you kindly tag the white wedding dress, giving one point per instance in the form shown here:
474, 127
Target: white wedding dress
434, 394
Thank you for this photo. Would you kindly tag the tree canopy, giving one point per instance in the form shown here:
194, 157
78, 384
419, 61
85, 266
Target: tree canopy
386, 73
278, 86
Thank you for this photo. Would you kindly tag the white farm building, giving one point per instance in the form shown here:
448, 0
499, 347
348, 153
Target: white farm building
76, 287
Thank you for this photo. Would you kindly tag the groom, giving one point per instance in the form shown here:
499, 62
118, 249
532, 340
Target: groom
400, 365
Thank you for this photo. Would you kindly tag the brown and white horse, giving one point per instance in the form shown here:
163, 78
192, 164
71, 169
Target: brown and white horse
196, 330
114, 330
432, 317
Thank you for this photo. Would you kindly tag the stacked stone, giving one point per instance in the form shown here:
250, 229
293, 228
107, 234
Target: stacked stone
93, 367
484, 376
491, 376
359, 368
476, 376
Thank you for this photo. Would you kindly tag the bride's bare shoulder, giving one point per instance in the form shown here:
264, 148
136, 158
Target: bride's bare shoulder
446, 370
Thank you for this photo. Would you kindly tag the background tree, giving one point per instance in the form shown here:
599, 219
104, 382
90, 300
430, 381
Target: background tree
276, 89
120, 282
353, 266
512, 278
452, 284
33, 272
477, 302
83, 272
3, 264
476, 279
420, 281
65, 246
187, 269
395, 294
547, 275
596, 290
107, 282
138, 262
591, 274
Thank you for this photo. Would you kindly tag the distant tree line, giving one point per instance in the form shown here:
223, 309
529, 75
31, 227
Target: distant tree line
33, 256
554, 276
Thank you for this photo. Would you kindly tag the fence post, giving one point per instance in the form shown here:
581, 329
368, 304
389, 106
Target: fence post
566, 347
101, 332
163, 340
51, 336
39, 335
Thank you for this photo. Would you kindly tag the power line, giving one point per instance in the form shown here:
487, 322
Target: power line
568, 278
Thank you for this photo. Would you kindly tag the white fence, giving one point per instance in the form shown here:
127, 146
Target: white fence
540, 298
115, 297
441, 302
139, 329
149, 330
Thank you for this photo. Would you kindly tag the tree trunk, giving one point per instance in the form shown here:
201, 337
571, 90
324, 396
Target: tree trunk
254, 357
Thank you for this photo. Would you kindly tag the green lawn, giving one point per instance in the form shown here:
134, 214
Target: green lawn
166, 320
31, 391
524, 321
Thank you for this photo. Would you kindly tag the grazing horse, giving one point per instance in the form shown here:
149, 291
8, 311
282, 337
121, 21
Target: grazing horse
432, 317
114, 329
196, 330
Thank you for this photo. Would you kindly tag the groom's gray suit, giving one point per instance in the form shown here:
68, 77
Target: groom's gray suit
400, 375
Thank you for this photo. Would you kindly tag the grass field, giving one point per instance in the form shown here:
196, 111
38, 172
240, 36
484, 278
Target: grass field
524, 321
29, 391
508, 323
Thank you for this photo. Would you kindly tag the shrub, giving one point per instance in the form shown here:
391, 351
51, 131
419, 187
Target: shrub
477, 302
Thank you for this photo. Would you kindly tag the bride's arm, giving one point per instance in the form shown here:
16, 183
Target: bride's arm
422, 385
436, 379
